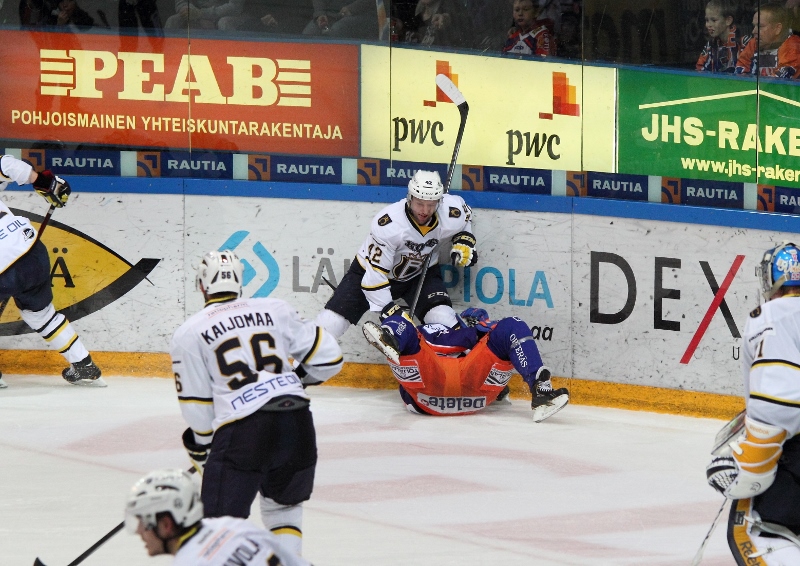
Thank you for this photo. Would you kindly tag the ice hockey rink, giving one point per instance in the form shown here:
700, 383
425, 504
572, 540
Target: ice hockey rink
589, 486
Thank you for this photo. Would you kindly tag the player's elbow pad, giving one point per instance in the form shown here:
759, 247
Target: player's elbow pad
757, 457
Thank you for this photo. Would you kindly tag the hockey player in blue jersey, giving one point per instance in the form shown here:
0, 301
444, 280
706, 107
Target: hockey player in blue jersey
446, 371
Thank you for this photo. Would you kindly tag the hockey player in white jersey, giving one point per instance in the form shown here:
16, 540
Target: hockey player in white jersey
250, 427
390, 261
760, 468
25, 272
164, 509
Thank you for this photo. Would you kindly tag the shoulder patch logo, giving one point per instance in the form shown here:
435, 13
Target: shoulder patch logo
755, 313
455, 213
384, 220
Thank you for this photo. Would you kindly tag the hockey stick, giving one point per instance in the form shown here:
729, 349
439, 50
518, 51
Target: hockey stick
100, 542
699, 556
452, 92
42, 226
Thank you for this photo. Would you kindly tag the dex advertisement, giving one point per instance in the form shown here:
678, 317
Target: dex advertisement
222, 95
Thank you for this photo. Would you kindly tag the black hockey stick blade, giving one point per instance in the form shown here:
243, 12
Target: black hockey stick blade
451, 90
91, 549
100, 542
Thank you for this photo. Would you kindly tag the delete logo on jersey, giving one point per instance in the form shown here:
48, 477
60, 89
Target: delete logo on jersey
451, 405
86, 275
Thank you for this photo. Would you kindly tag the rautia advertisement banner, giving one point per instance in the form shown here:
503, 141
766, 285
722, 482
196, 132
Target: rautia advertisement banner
702, 127
223, 95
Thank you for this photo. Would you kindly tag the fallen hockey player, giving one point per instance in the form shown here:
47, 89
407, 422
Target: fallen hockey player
445, 371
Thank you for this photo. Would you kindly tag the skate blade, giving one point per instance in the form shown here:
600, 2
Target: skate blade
99, 382
372, 332
545, 411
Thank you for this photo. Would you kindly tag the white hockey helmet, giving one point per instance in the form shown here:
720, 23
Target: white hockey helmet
163, 491
220, 272
425, 185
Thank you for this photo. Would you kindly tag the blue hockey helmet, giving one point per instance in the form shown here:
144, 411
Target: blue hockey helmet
780, 267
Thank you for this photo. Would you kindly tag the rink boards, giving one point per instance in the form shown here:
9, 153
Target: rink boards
627, 293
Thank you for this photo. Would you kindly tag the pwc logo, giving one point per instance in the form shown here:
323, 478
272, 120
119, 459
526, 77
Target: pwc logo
86, 275
257, 81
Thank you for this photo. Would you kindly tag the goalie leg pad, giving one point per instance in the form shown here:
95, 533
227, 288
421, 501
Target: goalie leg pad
748, 544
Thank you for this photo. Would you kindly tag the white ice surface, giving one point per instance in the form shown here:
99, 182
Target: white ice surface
588, 486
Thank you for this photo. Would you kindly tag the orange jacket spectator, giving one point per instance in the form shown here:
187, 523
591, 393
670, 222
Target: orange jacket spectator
772, 51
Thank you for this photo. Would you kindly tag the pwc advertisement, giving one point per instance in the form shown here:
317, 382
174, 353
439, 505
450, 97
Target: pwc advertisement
219, 95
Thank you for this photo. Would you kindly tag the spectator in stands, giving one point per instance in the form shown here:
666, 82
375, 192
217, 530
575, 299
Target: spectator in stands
270, 16
569, 40
724, 38
202, 14
131, 13
550, 14
794, 15
71, 15
490, 22
35, 13
438, 22
773, 51
530, 35
356, 19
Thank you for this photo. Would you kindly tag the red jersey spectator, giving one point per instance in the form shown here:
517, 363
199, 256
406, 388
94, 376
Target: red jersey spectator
530, 35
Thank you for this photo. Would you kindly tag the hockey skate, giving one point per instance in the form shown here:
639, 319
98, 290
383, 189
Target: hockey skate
382, 338
502, 398
84, 372
3, 384
547, 401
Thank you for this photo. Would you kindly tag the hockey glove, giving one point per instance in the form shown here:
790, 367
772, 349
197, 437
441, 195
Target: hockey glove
53, 188
198, 453
479, 319
721, 473
305, 379
463, 252
393, 309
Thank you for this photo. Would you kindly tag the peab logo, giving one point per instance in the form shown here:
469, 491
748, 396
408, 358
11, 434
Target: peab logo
257, 81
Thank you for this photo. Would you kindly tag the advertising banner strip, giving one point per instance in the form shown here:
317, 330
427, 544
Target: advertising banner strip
295, 98
714, 127
383, 172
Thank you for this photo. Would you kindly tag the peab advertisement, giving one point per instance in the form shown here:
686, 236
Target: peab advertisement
223, 95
